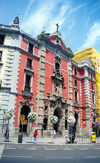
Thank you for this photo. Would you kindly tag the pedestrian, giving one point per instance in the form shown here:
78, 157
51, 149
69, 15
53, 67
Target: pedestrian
35, 136
7, 134
54, 132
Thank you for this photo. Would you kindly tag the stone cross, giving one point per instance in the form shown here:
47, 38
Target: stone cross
57, 26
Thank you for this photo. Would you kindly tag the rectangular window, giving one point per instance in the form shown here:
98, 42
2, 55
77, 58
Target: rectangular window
1, 39
29, 63
91, 76
75, 83
27, 83
92, 86
0, 55
75, 96
75, 71
92, 98
30, 48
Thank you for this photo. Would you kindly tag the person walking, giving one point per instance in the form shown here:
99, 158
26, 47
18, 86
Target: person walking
35, 136
7, 134
54, 132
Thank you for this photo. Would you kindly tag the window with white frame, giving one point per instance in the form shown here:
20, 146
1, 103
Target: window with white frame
27, 83
30, 48
75, 71
92, 86
76, 95
93, 96
29, 62
91, 76
75, 83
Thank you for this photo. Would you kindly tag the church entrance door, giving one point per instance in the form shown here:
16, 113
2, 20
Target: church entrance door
58, 125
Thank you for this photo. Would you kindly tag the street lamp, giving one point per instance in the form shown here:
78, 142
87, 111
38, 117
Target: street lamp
71, 120
53, 120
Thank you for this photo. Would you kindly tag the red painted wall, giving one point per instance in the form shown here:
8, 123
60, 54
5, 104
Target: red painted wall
52, 40
48, 72
64, 64
48, 79
36, 50
81, 72
21, 76
49, 57
62, 46
24, 44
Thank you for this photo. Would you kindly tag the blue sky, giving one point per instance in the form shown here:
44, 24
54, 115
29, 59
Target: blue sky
79, 20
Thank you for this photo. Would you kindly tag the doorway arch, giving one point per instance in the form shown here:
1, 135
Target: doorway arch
24, 111
58, 126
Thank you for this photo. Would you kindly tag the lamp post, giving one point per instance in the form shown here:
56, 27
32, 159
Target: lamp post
53, 120
32, 116
3, 120
7, 116
71, 120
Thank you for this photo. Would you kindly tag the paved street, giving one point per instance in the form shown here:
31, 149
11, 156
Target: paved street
14, 153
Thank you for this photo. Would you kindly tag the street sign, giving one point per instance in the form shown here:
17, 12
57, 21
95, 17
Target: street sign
23, 121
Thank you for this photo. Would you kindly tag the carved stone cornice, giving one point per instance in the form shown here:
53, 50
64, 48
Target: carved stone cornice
56, 101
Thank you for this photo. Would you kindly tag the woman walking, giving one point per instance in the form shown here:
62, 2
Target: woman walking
35, 136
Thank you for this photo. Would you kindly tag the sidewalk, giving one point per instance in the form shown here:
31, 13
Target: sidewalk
41, 141
48, 141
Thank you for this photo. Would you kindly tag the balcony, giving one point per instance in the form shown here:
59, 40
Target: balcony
29, 70
76, 103
26, 92
57, 75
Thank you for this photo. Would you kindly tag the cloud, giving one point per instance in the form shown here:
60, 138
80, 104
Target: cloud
48, 15
92, 37
28, 8
75, 9
45, 15
95, 7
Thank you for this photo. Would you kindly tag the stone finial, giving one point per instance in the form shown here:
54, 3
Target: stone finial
16, 20
43, 30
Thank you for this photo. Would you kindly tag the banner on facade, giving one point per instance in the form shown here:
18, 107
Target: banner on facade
98, 64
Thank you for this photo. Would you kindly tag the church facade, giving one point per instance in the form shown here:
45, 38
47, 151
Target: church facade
38, 75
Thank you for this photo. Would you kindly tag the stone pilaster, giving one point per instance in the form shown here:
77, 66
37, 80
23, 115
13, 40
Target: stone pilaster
87, 103
70, 88
41, 87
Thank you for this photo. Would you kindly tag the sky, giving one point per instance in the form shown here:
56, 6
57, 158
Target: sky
79, 20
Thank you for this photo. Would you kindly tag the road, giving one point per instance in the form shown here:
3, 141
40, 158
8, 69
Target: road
28, 153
